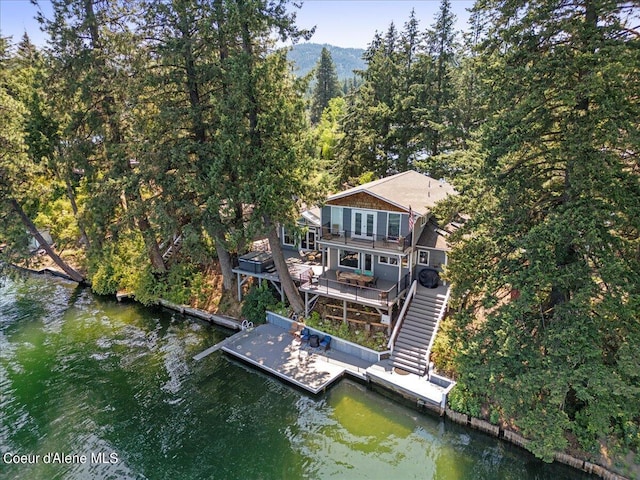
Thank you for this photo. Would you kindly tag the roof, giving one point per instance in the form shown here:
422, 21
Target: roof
312, 216
435, 237
406, 189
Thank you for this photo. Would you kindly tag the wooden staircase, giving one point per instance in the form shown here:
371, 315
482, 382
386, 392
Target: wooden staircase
413, 343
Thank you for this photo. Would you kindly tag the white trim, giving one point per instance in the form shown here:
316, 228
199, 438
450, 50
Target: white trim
290, 235
340, 216
428, 257
388, 262
340, 250
399, 224
363, 225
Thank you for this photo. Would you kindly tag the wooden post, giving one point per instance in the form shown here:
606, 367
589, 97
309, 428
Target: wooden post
344, 311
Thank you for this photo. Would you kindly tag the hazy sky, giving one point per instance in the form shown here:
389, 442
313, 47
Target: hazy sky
345, 23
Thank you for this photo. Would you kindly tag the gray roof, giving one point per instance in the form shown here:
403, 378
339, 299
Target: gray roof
406, 189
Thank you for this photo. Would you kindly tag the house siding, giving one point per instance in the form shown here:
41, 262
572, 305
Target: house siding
381, 227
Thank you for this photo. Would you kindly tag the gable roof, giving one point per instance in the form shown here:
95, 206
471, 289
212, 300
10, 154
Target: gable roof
404, 190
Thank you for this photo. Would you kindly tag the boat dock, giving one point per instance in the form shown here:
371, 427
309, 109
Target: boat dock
275, 350
272, 348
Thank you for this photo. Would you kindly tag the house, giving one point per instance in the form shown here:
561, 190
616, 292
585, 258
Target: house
368, 246
376, 238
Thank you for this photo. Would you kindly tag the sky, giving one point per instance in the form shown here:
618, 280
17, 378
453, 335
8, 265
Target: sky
343, 23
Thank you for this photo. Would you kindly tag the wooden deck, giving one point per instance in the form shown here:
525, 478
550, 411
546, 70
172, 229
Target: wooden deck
275, 350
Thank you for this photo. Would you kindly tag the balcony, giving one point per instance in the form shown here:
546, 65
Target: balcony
384, 294
333, 236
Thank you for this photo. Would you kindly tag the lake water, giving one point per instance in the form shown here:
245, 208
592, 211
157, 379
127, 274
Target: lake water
115, 388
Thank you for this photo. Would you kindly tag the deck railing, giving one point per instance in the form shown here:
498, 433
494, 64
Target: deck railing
381, 296
349, 237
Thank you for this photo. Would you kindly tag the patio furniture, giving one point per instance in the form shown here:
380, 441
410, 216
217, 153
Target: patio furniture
325, 343
314, 341
296, 328
305, 334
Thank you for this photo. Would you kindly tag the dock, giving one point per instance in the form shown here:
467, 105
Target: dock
272, 348
275, 350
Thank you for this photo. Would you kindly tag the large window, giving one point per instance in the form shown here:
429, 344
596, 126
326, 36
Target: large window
336, 220
393, 226
349, 259
288, 238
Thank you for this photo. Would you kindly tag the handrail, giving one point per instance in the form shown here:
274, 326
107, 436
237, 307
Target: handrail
373, 241
437, 325
396, 329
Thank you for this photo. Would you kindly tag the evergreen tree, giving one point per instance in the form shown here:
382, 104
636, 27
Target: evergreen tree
92, 51
547, 272
326, 86
23, 178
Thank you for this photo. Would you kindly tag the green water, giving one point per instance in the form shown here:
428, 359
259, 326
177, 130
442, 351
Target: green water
84, 375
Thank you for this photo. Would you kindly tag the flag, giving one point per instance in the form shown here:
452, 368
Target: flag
412, 221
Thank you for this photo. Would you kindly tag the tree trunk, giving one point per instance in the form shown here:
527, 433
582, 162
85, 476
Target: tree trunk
150, 241
224, 257
290, 289
75, 276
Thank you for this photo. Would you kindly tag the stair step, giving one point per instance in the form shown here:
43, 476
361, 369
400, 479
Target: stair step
418, 360
425, 306
418, 329
411, 342
421, 317
410, 349
408, 368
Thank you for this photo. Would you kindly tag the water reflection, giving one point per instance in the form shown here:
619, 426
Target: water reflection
84, 374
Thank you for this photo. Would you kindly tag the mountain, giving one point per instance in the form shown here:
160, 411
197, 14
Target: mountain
306, 55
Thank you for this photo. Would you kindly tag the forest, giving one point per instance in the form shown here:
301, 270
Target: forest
146, 125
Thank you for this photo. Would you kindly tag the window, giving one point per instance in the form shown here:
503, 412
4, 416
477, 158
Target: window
309, 240
393, 226
336, 220
388, 260
349, 259
363, 224
288, 238
423, 257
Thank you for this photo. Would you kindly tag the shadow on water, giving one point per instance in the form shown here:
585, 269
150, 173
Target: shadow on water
86, 375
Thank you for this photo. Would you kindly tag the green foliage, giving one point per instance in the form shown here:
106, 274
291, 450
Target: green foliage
377, 341
326, 85
546, 273
120, 267
257, 301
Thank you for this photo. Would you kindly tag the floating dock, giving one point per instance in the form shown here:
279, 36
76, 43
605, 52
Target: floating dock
273, 349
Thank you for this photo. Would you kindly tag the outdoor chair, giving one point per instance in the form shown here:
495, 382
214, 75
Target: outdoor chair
305, 334
325, 343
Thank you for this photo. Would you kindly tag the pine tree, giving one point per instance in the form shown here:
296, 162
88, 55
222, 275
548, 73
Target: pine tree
326, 86
547, 272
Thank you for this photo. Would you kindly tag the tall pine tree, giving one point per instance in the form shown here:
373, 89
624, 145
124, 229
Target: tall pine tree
547, 272
326, 86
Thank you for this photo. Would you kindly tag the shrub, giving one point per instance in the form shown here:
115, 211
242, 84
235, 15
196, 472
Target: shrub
256, 303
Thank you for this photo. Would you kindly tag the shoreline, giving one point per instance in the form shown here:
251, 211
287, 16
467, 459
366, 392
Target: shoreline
474, 423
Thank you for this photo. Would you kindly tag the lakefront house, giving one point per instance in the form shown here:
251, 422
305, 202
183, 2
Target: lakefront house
377, 246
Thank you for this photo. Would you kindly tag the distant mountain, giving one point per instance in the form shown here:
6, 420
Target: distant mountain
306, 55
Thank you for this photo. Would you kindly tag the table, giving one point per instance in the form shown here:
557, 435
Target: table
356, 278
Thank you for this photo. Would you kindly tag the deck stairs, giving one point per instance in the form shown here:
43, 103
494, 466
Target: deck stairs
418, 329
